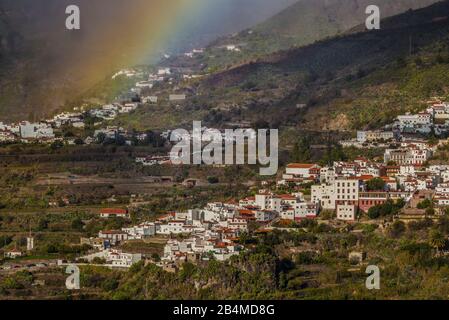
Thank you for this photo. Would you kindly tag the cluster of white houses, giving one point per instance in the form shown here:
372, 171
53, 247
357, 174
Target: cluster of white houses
435, 119
26, 131
211, 231
205, 133
342, 187
44, 131
267, 206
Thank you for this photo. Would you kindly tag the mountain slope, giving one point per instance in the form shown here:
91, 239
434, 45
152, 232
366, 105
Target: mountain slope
347, 82
301, 24
42, 65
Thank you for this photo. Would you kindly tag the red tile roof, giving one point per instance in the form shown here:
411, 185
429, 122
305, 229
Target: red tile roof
113, 211
300, 166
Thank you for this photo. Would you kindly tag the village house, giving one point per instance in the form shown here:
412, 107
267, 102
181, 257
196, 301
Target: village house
198, 247
141, 231
114, 258
306, 210
164, 71
114, 236
128, 107
341, 191
357, 257
411, 120
302, 170
98, 244
119, 259
114, 212
7, 136
346, 212
248, 201
232, 48
369, 136
30, 130
407, 156
13, 254
173, 227
177, 97
265, 215
149, 99
369, 199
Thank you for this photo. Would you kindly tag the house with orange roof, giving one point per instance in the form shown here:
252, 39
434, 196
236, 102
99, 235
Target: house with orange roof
248, 201
302, 170
114, 212
167, 217
390, 183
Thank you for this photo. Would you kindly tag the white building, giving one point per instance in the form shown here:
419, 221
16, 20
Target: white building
177, 97
150, 99
233, 48
305, 210
346, 212
114, 212
114, 258
13, 254
411, 120
302, 170
119, 259
324, 195
407, 156
340, 191
164, 71
265, 215
173, 227
114, 236
30, 130
369, 136
141, 231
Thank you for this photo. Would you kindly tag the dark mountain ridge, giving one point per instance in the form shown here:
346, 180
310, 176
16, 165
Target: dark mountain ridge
302, 24
323, 73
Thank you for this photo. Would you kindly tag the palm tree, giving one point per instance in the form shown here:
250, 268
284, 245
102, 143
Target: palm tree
437, 240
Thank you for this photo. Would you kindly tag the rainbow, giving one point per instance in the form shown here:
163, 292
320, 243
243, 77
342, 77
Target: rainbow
123, 34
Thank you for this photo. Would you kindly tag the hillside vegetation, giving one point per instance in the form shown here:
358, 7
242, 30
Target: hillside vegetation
361, 79
302, 24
